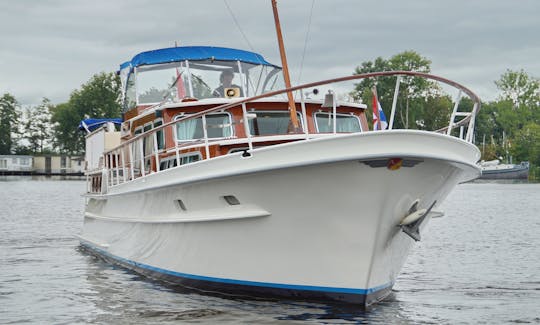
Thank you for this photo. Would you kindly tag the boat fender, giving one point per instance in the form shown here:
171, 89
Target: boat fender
413, 217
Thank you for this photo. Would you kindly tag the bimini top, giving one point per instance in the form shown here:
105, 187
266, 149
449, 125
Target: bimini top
91, 124
194, 53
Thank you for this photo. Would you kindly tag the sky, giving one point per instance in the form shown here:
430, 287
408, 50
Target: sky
49, 48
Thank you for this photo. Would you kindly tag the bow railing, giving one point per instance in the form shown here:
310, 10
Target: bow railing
145, 154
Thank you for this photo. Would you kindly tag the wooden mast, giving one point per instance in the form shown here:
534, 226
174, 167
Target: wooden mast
292, 105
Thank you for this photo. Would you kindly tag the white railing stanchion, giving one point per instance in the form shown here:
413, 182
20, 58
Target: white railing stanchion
175, 138
334, 112
117, 168
394, 103
246, 126
131, 161
190, 84
205, 134
110, 158
141, 150
470, 128
453, 116
156, 150
123, 164
304, 114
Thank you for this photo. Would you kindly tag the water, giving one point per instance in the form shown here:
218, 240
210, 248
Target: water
477, 265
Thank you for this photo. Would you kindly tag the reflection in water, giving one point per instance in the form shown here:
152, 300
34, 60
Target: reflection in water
472, 266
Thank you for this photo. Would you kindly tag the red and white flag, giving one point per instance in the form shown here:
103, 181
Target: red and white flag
379, 119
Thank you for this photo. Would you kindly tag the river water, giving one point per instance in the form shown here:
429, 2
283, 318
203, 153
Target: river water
479, 264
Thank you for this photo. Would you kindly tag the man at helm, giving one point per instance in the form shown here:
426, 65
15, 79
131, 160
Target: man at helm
226, 83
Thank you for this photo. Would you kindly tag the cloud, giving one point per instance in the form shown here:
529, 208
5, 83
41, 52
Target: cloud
51, 47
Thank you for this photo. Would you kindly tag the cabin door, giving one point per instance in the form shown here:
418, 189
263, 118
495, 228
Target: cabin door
47, 165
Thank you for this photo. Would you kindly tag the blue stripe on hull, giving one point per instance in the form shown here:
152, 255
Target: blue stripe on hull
253, 288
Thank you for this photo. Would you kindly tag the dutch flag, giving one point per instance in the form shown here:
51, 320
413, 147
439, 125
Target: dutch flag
379, 119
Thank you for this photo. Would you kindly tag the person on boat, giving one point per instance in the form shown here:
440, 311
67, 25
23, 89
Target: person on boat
226, 82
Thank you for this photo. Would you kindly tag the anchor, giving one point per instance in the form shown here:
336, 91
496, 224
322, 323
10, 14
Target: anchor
411, 223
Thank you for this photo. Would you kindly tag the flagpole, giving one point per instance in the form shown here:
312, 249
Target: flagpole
292, 105
394, 102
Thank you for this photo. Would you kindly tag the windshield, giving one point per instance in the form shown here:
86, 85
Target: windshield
199, 79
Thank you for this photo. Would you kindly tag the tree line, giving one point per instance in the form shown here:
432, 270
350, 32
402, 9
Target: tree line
47, 128
506, 128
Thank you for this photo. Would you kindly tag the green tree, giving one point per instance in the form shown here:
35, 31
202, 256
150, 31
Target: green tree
98, 98
8, 123
413, 91
38, 128
67, 137
525, 146
519, 88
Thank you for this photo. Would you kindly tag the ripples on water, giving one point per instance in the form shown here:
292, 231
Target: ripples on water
478, 264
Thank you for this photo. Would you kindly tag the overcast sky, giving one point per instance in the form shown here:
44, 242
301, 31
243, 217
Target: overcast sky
48, 48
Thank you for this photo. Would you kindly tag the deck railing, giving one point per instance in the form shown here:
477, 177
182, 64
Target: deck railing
142, 155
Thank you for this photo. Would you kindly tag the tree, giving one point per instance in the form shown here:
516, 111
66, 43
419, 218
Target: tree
519, 88
98, 98
412, 92
8, 123
38, 128
525, 146
67, 137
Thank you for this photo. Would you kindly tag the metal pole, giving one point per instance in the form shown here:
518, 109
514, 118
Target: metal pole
292, 105
246, 126
304, 114
117, 168
454, 111
141, 150
394, 102
156, 150
190, 84
205, 132
123, 164
334, 113
131, 162
175, 135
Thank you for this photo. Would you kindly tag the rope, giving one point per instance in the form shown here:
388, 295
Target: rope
238, 26
305, 42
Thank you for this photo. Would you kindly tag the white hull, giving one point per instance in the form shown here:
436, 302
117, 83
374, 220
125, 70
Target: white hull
313, 217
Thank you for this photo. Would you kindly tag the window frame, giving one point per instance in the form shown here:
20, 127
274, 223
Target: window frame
330, 114
230, 125
299, 115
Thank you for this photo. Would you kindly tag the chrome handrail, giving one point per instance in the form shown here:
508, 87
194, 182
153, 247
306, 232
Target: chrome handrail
115, 157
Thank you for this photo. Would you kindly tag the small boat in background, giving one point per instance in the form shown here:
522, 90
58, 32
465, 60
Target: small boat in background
493, 169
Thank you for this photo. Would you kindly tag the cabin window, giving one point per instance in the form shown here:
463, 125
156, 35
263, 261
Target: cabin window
217, 125
184, 159
271, 123
25, 161
3, 163
154, 85
159, 134
344, 123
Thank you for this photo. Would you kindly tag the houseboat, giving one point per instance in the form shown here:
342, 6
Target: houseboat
16, 164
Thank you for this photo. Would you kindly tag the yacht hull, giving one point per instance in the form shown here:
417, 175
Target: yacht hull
314, 220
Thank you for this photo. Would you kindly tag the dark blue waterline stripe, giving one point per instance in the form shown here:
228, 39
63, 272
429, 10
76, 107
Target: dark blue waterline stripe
237, 282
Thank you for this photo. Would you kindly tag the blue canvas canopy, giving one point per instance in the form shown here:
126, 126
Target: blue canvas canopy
195, 53
91, 124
